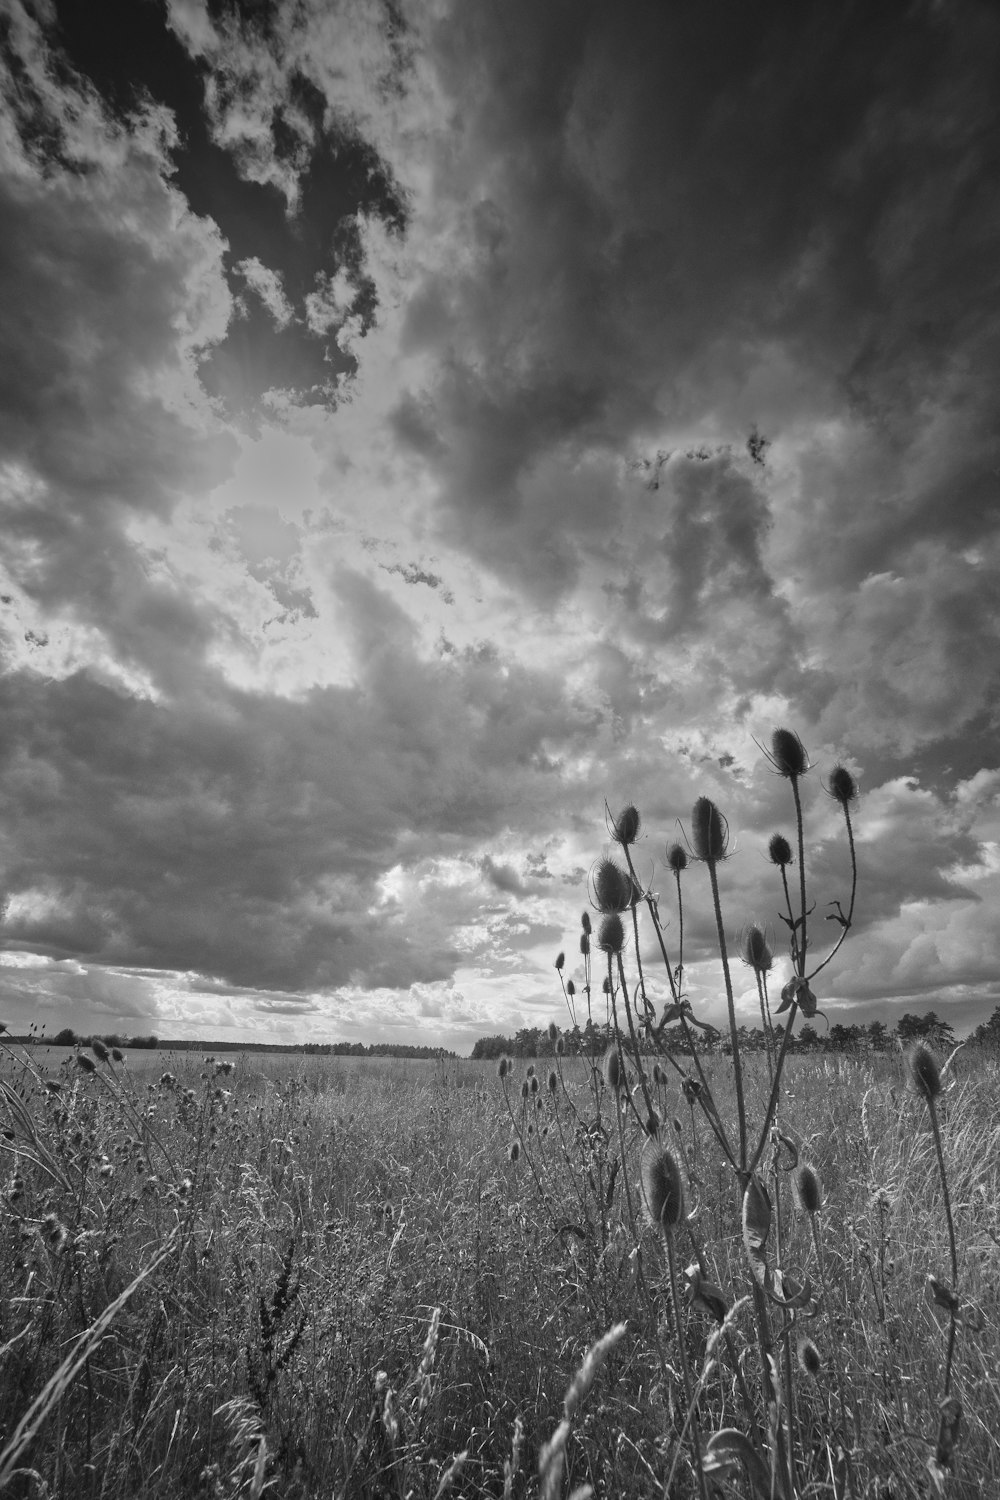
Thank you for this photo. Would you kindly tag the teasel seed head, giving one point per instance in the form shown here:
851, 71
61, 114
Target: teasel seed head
525, 1089
117, 1054
585, 943
535, 1085
613, 888
754, 949
99, 1050
788, 754
709, 831
662, 1185
560, 961
612, 1068
585, 921
658, 1074
925, 1076
553, 1031
606, 986
652, 1124
503, 1068
553, 1080
677, 858
611, 936
809, 1359
779, 850
515, 1150
570, 988
809, 1187
86, 1063
560, 1046
842, 786
627, 825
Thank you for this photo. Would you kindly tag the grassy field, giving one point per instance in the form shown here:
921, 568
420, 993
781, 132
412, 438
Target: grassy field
347, 1283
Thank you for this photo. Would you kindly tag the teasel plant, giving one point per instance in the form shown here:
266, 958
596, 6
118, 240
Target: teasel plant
766, 1451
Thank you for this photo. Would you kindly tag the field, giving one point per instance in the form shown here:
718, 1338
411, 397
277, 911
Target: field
347, 1287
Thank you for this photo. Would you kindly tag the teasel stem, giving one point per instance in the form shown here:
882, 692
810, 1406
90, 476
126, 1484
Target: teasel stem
791, 1415
731, 1003
854, 890
772, 1102
803, 943
522, 1139
834, 1360
952, 1311
635, 931
765, 1018
635, 1043
690, 1399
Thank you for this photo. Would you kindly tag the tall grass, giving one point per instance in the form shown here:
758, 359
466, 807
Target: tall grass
695, 1278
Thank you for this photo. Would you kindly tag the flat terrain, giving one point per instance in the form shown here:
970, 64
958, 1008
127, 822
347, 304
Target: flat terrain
349, 1282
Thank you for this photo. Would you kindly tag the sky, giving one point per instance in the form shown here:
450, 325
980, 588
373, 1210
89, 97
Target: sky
422, 424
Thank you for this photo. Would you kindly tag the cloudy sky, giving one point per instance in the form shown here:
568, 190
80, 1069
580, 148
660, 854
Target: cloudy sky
422, 420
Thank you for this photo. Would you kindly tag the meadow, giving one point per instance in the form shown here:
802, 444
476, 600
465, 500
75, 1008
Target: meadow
349, 1283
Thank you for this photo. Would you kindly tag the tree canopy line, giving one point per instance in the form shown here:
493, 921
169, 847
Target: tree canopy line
591, 1040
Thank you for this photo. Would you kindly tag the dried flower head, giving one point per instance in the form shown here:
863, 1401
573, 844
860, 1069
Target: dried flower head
677, 858
534, 1083
925, 1075
809, 1186
585, 943
99, 1050
627, 823
842, 785
613, 888
87, 1064
560, 961
659, 1077
585, 921
662, 1185
503, 1068
525, 1088
652, 1124
754, 949
611, 937
553, 1081
709, 831
809, 1359
606, 985
612, 1068
691, 1089
119, 1055
553, 1031
515, 1150
570, 988
788, 754
779, 850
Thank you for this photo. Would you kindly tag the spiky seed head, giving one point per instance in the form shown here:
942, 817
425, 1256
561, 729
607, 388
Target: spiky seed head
809, 1359
788, 754
779, 850
652, 1123
810, 1188
677, 858
925, 1075
611, 936
842, 786
560, 1046
662, 1185
612, 1068
54, 1232
553, 1031
709, 831
754, 949
560, 961
525, 1089
99, 1050
529, 1071
585, 921
503, 1068
691, 1089
613, 889
118, 1054
515, 1150
658, 1074
570, 988
627, 825
534, 1083
86, 1063
585, 943
553, 1081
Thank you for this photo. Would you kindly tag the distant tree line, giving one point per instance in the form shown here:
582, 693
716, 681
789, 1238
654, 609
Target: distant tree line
69, 1038
592, 1039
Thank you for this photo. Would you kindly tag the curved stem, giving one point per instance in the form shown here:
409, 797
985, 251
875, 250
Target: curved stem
737, 1065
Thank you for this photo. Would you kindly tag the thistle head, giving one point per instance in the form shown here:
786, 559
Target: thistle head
662, 1185
613, 888
677, 858
754, 949
709, 831
842, 786
788, 754
809, 1188
779, 850
611, 936
627, 824
925, 1075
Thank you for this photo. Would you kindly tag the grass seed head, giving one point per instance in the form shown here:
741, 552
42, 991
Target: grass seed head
925, 1075
788, 754
779, 850
662, 1185
709, 831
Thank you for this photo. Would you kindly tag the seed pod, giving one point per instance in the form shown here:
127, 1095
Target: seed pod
612, 1068
611, 938
788, 755
627, 825
118, 1055
503, 1068
553, 1031
570, 988
525, 1090
842, 785
662, 1186
755, 950
99, 1050
553, 1081
779, 850
534, 1083
925, 1076
613, 889
677, 858
560, 1046
652, 1122
86, 1063
810, 1188
515, 1150
809, 1359
560, 960
709, 831
585, 943
658, 1074
585, 921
